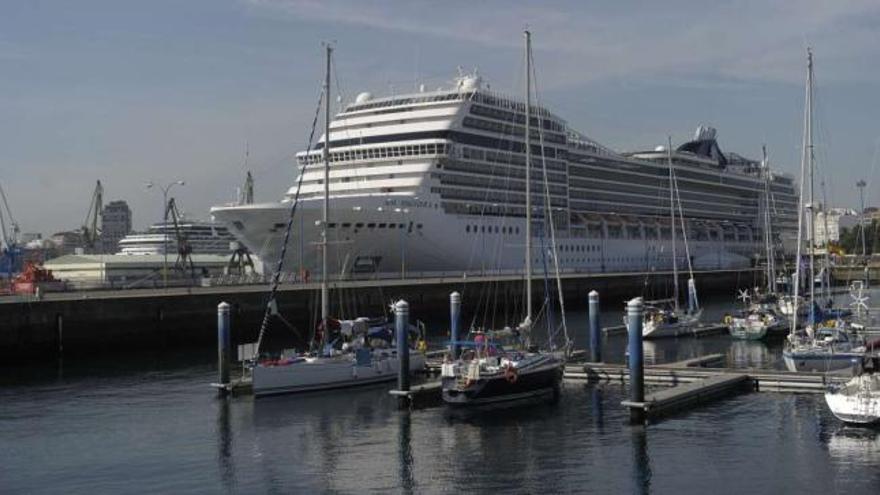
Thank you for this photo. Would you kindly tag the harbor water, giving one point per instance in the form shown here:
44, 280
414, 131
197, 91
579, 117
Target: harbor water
150, 423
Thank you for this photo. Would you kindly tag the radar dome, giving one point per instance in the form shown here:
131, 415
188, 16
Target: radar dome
363, 97
470, 83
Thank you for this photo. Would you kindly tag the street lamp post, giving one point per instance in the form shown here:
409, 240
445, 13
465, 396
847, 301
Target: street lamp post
861, 185
165, 190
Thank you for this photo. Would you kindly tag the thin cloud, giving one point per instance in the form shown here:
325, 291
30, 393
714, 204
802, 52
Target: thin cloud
759, 41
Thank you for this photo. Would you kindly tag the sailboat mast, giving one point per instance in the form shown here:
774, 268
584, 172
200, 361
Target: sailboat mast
672, 222
768, 233
811, 230
826, 262
801, 202
528, 136
325, 292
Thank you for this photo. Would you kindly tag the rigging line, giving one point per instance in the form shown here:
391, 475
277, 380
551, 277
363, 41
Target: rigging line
276, 277
550, 204
687, 251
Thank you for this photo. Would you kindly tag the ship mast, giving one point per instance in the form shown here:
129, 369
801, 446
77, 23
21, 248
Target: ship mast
528, 136
325, 292
672, 223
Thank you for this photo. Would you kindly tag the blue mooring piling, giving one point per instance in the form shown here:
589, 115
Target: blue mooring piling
401, 323
635, 312
454, 321
595, 329
224, 342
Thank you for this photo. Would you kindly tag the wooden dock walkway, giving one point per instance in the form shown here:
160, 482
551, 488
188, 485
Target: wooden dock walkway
702, 330
674, 399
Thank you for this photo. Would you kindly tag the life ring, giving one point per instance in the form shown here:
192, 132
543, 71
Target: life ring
510, 374
728, 320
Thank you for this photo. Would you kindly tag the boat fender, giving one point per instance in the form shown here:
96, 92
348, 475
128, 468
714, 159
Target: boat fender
510, 374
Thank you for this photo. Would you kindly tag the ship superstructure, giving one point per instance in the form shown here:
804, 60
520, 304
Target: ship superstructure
433, 183
202, 237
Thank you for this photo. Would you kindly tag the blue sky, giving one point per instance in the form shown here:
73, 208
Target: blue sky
163, 90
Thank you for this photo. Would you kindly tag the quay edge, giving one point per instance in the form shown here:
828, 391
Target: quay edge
92, 322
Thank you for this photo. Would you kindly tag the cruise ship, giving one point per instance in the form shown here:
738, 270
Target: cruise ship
203, 238
433, 183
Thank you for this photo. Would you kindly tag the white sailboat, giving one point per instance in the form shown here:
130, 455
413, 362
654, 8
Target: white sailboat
857, 401
820, 347
760, 315
350, 353
661, 320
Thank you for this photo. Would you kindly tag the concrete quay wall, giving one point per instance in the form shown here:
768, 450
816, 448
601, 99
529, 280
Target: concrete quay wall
117, 321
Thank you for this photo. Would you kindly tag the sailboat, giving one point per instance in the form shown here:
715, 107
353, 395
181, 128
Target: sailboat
822, 346
857, 401
660, 319
486, 373
760, 316
349, 353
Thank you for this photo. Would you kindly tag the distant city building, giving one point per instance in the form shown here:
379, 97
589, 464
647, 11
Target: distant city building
834, 220
115, 225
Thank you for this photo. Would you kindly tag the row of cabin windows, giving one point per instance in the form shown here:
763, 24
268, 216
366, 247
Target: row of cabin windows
519, 118
404, 101
378, 153
484, 229
499, 101
510, 130
371, 225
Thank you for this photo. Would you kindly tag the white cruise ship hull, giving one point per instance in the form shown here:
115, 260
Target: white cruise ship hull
428, 242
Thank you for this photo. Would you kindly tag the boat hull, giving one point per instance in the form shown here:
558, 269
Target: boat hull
748, 332
821, 361
328, 373
540, 382
685, 326
857, 402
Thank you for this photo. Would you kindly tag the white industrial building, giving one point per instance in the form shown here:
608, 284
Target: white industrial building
97, 270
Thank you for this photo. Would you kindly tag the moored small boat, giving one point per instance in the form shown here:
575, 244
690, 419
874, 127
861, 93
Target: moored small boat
857, 401
754, 324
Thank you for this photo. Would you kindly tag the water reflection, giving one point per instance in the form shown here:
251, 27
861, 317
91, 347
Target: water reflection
322, 436
854, 445
641, 462
224, 445
405, 455
749, 354
596, 403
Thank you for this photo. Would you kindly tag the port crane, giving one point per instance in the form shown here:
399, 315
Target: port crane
90, 230
184, 249
241, 259
10, 251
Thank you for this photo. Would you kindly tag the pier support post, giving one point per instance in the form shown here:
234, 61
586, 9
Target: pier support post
634, 315
595, 330
224, 342
401, 323
454, 321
